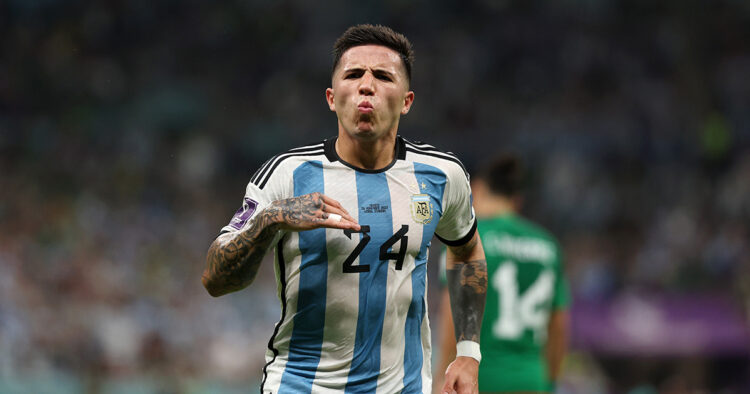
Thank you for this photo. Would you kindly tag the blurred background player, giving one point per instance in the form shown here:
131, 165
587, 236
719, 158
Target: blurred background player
524, 332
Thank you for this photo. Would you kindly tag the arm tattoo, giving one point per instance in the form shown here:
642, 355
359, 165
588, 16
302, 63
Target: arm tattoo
467, 284
299, 211
233, 260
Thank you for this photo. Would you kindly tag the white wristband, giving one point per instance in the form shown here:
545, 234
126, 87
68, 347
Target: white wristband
469, 349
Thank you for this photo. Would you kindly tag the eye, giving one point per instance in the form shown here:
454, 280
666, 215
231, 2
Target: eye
353, 75
383, 77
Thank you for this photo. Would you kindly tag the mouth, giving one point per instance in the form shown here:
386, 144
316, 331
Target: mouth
365, 107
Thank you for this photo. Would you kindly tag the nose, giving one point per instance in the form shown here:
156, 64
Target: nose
366, 85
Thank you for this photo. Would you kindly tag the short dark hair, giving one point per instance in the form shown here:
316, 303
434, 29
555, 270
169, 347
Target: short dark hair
505, 175
374, 35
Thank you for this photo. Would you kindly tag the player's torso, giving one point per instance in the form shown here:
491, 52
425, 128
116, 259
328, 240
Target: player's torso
521, 268
355, 301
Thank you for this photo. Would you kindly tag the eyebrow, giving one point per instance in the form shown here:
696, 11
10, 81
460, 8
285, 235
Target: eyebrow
375, 70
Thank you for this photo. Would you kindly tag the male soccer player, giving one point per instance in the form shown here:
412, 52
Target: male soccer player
351, 220
525, 323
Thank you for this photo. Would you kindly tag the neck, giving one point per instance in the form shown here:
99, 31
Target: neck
370, 155
492, 205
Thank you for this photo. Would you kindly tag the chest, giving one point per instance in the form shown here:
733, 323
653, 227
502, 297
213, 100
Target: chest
398, 211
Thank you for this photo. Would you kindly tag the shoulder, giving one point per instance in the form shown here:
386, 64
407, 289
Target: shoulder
513, 235
286, 160
420, 152
528, 225
534, 229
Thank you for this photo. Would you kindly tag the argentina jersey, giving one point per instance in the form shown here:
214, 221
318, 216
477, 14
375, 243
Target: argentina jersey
353, 303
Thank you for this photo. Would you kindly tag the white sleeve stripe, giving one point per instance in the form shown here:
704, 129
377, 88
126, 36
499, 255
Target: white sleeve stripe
428, 148
307, 147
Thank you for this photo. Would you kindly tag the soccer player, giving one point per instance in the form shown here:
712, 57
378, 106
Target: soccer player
524, 332
351, 220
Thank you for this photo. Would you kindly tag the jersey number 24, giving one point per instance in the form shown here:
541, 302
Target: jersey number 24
349, 266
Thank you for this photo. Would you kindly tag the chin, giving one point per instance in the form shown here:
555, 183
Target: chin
364, 133
367, 135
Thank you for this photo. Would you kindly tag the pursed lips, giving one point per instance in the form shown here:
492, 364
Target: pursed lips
365, 107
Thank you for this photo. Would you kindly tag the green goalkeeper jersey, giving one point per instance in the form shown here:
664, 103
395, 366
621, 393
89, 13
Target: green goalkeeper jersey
525, 284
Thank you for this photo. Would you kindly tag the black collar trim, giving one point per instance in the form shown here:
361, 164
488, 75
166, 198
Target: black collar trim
329, 147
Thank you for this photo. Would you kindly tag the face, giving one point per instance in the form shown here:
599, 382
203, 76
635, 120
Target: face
370, 92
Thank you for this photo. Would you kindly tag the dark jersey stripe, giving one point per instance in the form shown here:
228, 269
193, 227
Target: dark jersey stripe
261, 183
282, 279
439, 156
261, 173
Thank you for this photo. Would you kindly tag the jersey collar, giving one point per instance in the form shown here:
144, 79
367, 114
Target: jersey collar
329, 147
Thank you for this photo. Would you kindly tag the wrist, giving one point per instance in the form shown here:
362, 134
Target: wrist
272, 215
469, 349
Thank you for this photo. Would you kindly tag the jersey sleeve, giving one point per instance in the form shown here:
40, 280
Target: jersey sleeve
561, 296
255, 200
458, 223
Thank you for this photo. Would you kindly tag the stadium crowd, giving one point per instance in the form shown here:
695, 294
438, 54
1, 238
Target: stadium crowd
128, 131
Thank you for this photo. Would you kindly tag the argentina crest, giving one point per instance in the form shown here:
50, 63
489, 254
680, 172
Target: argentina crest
421, 208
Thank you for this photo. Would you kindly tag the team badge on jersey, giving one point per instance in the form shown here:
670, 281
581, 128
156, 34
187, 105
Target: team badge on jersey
421, 208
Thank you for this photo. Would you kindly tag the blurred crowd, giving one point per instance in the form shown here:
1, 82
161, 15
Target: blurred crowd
129, 129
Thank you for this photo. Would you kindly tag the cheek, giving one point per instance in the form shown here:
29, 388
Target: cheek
396, 102
341, 99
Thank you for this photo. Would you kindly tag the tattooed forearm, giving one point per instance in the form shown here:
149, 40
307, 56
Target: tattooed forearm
299, 213
233, 259
467, 285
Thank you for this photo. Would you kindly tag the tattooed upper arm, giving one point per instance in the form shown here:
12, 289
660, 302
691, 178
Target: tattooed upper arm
462, 252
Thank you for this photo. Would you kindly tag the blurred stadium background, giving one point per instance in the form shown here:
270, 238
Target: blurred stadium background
129, 129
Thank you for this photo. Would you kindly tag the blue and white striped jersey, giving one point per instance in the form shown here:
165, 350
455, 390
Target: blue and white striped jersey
353, 304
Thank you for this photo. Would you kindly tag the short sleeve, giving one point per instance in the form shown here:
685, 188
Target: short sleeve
458, 224
255, 200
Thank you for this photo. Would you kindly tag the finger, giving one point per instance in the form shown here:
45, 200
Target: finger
330, 201
341, 213
334, 220
466, 387
330, 208
448, 387
342, 224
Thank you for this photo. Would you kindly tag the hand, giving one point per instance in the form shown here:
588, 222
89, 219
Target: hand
311, 211
461, 376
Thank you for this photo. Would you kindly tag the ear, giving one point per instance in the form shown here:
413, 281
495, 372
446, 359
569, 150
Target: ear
408, 100
329, 99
